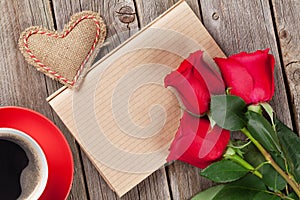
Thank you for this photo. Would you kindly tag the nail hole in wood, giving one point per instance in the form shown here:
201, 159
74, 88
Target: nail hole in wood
215, 16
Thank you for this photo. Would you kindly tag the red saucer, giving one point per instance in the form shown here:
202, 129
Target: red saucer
53, 143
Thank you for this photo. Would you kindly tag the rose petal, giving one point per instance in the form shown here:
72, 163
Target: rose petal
236, 78
192, 92
260, 66
211, 77
184, 137
190, 87
196, 143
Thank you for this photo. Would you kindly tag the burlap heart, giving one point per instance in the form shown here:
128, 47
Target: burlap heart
64, 56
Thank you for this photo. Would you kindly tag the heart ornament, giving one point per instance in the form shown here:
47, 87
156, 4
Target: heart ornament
65, 56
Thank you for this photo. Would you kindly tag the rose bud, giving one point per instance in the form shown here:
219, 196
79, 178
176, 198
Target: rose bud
249, 75
197, 143
195, 81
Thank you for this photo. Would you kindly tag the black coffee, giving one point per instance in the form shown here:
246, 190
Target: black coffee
13, 160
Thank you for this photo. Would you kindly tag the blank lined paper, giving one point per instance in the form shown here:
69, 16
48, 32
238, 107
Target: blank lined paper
122, 116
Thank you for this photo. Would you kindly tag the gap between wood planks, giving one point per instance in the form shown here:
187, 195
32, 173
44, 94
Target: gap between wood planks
285, 78
52, 12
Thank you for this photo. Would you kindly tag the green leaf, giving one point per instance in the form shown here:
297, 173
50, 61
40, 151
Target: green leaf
249, 181
293, 195
235, 193
245, 188
224, 171
263, 132
228, 111
265, 196
253, 156
270, 176
208, 194
279, 159
291, 148
268, 108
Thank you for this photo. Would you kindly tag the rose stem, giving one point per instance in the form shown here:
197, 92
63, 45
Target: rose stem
243, 163
269, 158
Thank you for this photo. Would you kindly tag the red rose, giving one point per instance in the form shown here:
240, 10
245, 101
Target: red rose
195, 81
197, 143
249, 75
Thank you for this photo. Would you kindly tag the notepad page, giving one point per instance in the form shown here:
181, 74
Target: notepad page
122, 116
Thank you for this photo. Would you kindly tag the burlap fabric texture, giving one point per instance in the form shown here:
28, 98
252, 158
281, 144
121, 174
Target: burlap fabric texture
65, 56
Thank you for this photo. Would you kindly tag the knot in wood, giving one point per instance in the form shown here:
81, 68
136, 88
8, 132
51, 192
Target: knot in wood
283, 34
293, 71
126, 14
296, 75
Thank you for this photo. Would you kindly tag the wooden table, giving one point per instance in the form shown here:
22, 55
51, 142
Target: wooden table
236, 25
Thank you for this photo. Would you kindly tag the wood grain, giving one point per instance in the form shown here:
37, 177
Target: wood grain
194, 4
147, 11
236, 25
286, 14
118, 32
21, 82
150, 10
184, 180
16, 76
247, 26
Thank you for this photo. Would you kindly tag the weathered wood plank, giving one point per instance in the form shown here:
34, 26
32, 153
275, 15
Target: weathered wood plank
155, 186
149, 10
78, 190
63, 10
119, 29
247, 26
78, 186
287, 15
98, 189
184, 179
227, 21
19, 82
194, 4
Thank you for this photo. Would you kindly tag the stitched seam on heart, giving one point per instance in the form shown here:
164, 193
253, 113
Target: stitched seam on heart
64, 34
